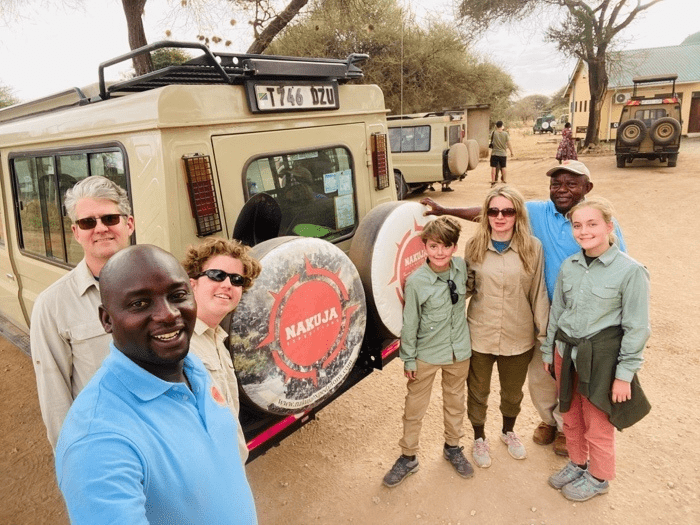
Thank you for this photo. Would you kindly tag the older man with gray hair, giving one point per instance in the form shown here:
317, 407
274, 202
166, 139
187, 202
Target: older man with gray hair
68, 342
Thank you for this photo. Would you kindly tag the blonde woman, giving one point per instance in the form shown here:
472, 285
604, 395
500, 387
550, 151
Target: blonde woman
507, 313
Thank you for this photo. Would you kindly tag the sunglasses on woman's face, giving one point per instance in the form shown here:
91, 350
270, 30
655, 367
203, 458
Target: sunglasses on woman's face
219, 276
507, 212
88, 223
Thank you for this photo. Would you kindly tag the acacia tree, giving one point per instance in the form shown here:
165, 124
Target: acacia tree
587, 31
418, 69
7, 97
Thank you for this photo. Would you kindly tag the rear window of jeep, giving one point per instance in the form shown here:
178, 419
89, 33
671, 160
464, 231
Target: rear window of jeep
409, 138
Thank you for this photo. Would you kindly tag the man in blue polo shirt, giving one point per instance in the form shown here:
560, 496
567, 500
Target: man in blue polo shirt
569, 184
150, 439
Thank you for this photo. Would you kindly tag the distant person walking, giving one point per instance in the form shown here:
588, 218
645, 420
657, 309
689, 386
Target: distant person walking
567, 146
500, 141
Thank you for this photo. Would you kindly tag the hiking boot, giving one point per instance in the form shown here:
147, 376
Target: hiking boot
571, 472
560, 445
584, 488
400, 471
544, 434
516, 449
480, 453
455, 456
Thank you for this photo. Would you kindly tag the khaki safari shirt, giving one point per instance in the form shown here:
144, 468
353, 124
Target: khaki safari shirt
434, 330
68, 343
208, 344
509, 308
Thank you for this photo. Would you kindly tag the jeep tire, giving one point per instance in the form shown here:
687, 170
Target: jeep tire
632, 132
665, 131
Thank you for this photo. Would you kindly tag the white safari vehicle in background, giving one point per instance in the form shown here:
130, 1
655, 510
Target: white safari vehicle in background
428, 148
289, 155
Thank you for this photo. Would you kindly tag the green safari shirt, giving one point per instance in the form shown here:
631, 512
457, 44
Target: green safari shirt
434, 330
613, 291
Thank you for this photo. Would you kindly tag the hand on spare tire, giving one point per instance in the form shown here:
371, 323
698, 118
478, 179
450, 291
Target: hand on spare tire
410, 374
434, 207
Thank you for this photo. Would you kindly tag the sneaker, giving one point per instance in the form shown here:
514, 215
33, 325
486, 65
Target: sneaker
584, 488
544, 434
571, 472
400, 471
515, 447
455, 456
480, 453
560, 445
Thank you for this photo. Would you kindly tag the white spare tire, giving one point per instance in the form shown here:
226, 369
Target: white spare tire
458, 159
473, 149
386, 249
545, 125
296, 334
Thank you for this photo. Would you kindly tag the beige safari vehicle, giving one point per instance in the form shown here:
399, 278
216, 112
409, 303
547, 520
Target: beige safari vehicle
285, 154
428, 148
650, 127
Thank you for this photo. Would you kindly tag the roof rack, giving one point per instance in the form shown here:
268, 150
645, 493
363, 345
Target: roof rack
228, 68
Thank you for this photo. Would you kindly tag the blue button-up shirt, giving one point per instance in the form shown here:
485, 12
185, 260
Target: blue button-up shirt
139, 450
556, 235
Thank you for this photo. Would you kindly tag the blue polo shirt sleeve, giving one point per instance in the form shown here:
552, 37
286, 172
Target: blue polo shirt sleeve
108, 489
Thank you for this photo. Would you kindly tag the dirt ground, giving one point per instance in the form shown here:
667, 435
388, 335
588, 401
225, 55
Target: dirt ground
331, 470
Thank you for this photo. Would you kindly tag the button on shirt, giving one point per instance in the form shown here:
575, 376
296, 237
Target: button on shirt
68, 343
613, 291
136, 449
434, 330
509, 308
556, 235
208, 344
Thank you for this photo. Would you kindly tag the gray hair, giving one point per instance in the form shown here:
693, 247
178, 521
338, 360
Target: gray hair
96, 187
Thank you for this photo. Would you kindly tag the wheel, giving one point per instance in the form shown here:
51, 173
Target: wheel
620, 161
386, 249
458, 159
296, 334
401, 187
672, 159
665, 131
632, 132
420, 188
473, 147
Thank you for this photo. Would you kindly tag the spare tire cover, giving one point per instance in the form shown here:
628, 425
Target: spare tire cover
458, 159
473, 148
297, 332
386, 249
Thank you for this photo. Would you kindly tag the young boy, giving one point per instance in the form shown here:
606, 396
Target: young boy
435, 337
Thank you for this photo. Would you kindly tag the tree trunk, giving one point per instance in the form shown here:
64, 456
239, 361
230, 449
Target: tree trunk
598, 84
275, 26
133, 10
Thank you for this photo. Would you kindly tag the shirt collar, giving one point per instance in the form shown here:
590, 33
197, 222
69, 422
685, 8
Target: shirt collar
84, 278
554, 210
510, 246
143, 384
606, 258
434, 276
200, 327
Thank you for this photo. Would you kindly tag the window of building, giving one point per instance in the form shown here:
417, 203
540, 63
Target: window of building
455, 134
40, 183
314, 189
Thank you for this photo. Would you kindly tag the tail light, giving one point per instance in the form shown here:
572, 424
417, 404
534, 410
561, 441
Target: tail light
203, 201
380, 160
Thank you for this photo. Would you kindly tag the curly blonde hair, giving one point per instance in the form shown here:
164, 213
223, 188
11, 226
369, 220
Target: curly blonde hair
522, 239
197, 256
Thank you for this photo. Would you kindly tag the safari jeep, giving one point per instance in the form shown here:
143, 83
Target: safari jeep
430, 147
650, 127
284, 154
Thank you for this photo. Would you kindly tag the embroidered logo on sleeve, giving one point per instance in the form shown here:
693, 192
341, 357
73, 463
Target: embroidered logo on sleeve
217, 396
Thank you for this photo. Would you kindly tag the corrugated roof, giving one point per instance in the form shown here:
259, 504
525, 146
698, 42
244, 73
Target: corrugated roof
683, 60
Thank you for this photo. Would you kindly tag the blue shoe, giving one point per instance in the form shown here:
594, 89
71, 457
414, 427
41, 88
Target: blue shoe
461, 464
584, 488
571, 472
400, 471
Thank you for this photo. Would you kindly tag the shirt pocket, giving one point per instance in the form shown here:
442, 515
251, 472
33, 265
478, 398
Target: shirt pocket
605, 299
89, 343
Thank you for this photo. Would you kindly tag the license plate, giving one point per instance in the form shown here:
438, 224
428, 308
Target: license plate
280, 96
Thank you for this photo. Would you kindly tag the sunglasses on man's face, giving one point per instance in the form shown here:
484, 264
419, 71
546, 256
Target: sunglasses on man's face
219, 276
454, 296
507, 212
88, 223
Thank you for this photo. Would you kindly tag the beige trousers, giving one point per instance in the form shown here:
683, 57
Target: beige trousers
543, 391
454, 378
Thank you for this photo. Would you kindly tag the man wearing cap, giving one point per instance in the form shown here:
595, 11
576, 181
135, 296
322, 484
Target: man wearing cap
569, 184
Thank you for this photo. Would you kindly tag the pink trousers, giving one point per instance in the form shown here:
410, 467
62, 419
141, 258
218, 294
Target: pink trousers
589, 434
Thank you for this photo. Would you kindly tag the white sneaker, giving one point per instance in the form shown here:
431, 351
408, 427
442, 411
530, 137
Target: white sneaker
515, 447
480, 453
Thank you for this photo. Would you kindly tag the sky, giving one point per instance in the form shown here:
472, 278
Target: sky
56, 49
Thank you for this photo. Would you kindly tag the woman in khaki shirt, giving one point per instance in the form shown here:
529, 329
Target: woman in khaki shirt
507, 313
